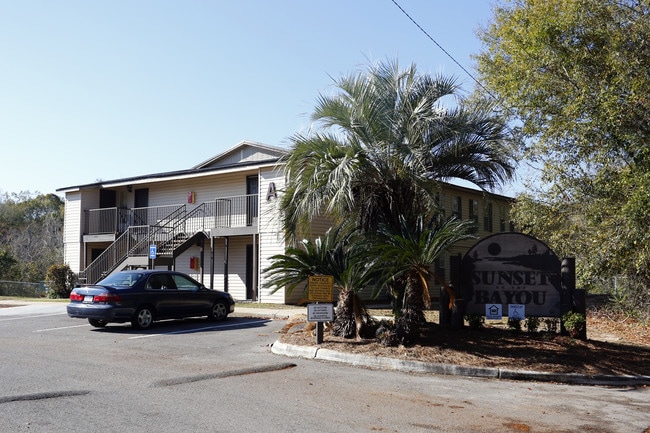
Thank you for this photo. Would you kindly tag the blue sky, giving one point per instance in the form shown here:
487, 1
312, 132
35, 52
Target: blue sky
99, 90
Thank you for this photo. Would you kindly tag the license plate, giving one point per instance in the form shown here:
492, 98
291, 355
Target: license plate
88, 299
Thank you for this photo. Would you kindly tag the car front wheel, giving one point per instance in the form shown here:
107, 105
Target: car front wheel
143, 318
97, 323
219, 311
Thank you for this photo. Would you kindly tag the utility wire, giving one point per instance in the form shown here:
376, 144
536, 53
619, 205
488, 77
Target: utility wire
443, 50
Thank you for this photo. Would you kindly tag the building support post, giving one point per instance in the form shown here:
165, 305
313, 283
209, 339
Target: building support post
201, 259
256, 286
211, 262
225, 263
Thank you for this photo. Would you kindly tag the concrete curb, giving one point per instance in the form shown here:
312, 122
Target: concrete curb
314, 352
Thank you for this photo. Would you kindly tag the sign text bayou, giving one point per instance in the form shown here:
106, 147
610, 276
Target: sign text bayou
512, 268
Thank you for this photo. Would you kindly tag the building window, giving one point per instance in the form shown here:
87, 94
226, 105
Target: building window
487, 217
473, 210
457, 207
440, 202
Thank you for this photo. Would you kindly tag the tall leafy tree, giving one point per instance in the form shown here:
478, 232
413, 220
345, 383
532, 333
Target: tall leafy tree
575, 74
31, 233
380, 145
7, 265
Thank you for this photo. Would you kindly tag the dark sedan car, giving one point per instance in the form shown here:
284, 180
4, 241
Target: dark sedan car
142, 297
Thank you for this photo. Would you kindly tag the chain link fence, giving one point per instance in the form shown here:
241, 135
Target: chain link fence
24, 290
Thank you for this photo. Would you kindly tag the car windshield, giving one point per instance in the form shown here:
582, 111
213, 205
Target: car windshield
121, 280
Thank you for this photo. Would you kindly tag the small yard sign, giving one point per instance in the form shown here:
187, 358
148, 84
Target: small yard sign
321, 288
320, 313
493, 312
517, 311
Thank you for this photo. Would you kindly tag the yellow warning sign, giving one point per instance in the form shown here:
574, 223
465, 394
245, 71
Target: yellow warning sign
321, 288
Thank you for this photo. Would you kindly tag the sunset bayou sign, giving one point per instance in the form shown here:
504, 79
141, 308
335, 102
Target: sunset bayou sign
513, 269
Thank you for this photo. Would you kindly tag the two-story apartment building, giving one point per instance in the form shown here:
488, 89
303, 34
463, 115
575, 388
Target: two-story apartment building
215, 221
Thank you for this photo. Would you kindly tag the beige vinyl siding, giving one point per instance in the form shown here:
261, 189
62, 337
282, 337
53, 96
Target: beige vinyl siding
318, 228
205, 189
218, 283
90, 198
182, 264
247, 154
237, 266
76, 203
244, 152
271, 242
72, 231
269, 219
271, 237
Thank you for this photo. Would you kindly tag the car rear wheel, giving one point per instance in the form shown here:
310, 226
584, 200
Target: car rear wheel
97, 323
143, 318
219, 311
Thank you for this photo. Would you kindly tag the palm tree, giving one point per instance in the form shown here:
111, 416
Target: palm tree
346, 260
384, 142
409, 255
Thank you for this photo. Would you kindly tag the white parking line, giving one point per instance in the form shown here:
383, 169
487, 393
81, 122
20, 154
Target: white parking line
189, 331
62, 327
31, 317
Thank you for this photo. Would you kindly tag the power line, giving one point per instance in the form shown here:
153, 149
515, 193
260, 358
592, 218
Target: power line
442, 49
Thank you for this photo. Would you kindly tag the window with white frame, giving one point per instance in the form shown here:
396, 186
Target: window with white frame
440, 202
473, 210
487, 217
457, 207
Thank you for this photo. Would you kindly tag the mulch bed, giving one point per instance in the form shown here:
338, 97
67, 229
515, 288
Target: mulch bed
496, 347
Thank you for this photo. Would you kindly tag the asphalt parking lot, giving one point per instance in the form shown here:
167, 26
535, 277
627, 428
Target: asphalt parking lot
110, 375
62, 375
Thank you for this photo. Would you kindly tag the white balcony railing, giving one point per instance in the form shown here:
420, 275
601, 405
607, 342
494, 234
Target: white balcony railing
232, 211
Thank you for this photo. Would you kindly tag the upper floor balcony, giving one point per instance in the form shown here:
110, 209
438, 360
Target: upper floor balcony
223, 216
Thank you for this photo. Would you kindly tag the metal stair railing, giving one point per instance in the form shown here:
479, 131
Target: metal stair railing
197, 220
167, 233
133, 242
112, 255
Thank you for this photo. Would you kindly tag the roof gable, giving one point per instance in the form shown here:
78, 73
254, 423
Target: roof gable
245, 152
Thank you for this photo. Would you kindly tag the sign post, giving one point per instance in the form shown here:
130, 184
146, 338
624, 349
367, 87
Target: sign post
320, 289
152, 254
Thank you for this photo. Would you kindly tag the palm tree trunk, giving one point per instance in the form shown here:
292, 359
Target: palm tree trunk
396, 289
352, 317
412, 317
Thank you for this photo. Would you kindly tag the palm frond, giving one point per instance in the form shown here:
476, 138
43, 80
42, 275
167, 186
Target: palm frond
339, 254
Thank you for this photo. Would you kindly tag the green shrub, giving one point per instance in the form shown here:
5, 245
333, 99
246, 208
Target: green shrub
532, 323
514, 324
574, 323
60, 280
475, 320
